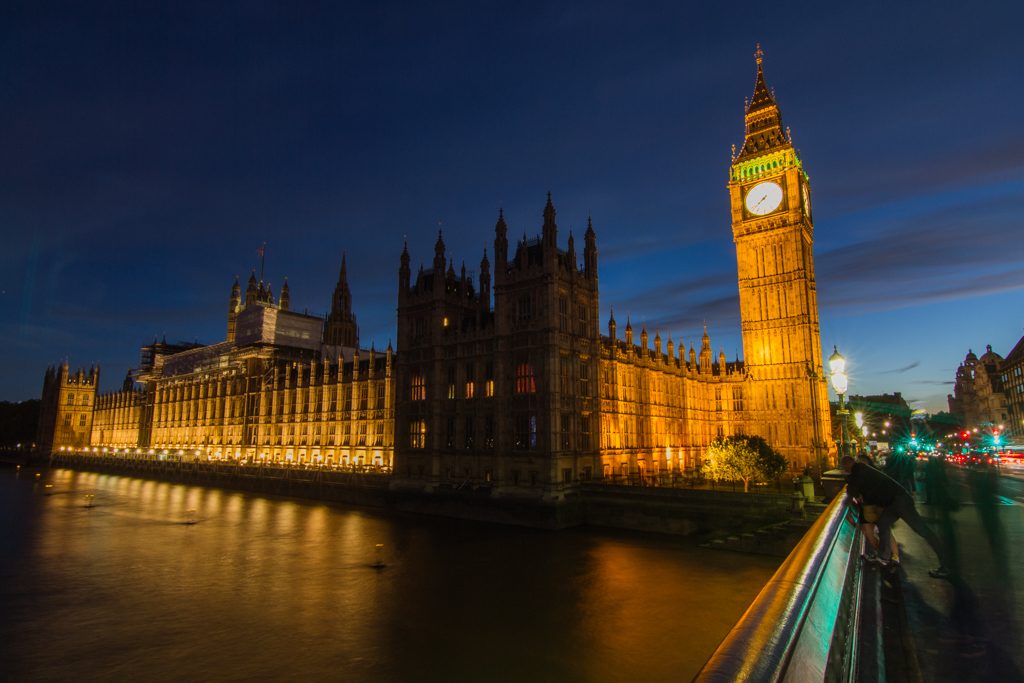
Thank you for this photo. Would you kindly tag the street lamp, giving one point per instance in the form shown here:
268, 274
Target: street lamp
838, 366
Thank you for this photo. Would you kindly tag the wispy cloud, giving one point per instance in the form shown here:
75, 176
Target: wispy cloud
899, 370
937, 249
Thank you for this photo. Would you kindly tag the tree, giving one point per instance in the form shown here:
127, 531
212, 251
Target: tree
732, 458
747, 458
771, 463
717, 461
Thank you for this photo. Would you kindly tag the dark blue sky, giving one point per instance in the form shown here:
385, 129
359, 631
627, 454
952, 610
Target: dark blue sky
148, 149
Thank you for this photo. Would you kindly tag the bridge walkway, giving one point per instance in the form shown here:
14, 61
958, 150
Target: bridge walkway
970, 628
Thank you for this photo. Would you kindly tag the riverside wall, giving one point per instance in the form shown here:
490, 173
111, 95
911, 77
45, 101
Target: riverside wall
696, 513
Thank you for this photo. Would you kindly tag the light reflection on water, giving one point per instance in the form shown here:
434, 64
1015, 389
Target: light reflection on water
263, 588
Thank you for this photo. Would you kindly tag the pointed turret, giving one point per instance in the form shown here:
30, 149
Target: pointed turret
629, 334
590, 252
570, 252
762, 97
485, 283
234, 303
643, 336
286, 297
657, 343
251, 291
693, 357
612, 327
550, 230
439, 255
340, 327
671, 349
765, 132
705, 352
500, 248
404, 274
721, 360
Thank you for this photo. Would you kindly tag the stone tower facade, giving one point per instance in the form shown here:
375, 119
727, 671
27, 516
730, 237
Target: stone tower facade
770, 197
66, 411
340, 328
504, 397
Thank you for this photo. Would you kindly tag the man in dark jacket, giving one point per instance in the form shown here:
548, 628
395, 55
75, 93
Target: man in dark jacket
868, 486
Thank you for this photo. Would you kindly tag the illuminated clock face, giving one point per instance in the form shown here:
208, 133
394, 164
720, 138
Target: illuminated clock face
807, 202
763, 198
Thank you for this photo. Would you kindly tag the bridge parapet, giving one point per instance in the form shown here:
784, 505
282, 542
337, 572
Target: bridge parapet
802, 626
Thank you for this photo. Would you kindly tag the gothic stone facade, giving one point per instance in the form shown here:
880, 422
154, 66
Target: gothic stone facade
66, 411
275, 391
529, 398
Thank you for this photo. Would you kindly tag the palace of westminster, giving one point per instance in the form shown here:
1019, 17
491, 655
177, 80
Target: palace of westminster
522, 393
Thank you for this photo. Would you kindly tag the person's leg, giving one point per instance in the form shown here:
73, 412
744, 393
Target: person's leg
904, 508
885, 521
868, 529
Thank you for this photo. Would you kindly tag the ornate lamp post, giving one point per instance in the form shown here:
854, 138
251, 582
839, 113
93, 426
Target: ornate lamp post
838, 365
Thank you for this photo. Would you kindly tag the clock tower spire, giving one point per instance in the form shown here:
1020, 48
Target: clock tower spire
774, 236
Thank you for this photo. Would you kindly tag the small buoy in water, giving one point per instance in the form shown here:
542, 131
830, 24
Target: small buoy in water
379, 563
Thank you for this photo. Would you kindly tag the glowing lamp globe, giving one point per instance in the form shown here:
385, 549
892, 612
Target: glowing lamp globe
836, 362
839, 382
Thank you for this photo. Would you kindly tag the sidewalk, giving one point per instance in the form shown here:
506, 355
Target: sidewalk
970, 628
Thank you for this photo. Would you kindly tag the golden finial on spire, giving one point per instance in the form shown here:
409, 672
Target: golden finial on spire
759, 55
734, 152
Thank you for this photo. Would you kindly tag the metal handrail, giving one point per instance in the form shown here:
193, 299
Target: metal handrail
759, 648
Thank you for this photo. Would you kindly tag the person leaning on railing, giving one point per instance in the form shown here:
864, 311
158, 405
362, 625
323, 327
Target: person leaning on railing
868, 486
869, 515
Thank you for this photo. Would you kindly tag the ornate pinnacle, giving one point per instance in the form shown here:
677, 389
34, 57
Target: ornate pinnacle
758, 55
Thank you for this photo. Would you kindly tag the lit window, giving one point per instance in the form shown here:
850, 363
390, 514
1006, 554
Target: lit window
417, 434
524, 378
419, 387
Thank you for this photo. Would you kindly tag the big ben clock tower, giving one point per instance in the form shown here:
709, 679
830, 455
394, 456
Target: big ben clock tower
774, 233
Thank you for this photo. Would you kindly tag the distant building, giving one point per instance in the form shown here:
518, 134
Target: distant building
977, 399
283, 387
1012, 375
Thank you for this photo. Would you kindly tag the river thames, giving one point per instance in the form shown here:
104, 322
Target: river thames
261, 588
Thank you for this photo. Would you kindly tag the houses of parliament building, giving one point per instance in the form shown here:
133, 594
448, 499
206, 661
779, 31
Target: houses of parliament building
510, 383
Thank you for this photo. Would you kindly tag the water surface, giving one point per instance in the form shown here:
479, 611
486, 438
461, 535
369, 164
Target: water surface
262, 588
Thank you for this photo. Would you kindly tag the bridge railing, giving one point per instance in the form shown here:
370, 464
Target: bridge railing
803, 624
